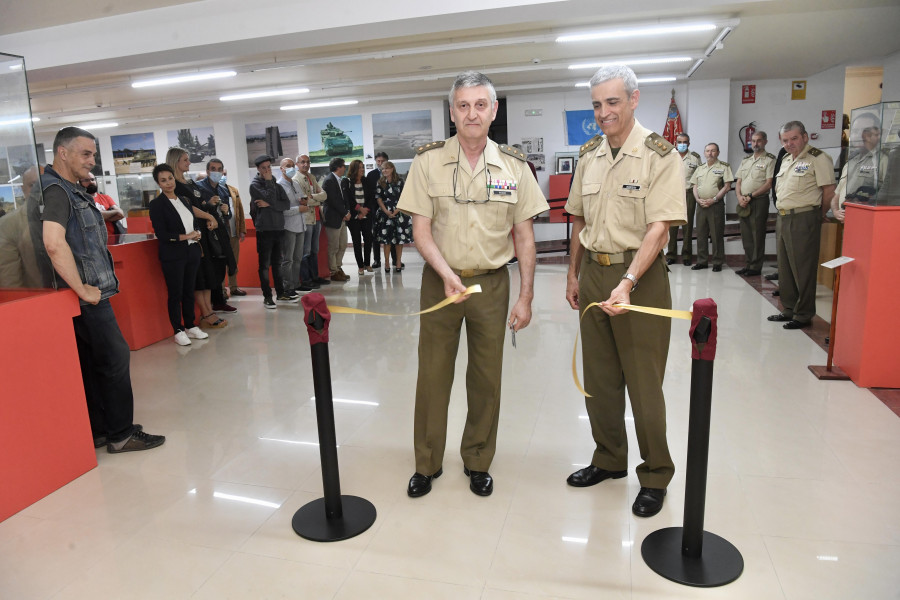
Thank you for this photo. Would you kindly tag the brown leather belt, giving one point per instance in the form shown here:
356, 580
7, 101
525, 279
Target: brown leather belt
612, 259
473, 272
794, 211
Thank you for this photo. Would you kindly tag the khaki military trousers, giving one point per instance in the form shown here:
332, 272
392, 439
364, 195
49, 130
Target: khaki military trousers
627, 351
687, 230
753, 232
439, 331
798, 262
711, 232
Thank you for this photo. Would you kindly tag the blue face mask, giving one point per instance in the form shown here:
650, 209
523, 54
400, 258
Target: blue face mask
216, 177
682, 148
223, 179
290, 172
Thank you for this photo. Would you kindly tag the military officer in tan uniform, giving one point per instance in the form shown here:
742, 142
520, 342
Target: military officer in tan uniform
805, 184
711, 181
864, 173
754, 180
465, 194
690, 161
628, 190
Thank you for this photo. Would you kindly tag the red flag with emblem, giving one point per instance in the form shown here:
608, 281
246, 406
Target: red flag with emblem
673, 122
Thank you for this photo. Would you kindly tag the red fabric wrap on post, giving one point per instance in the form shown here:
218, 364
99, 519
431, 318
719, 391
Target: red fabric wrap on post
315, 303
705, 308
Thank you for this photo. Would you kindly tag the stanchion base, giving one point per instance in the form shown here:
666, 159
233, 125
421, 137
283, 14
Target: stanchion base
311, 522
719, 564
835, 374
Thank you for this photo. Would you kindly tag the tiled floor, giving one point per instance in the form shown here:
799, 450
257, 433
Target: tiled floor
803, 474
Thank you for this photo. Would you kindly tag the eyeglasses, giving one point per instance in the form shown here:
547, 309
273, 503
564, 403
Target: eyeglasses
487, 184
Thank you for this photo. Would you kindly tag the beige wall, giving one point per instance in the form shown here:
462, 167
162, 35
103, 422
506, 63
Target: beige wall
862, 87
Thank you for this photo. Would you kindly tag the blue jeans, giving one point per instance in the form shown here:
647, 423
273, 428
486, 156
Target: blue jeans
292, 246
105, 369
309, 266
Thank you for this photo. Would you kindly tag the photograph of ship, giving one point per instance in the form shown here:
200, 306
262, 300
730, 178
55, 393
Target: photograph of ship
200, 142
400, 133
334, 136
133, 153
278, 140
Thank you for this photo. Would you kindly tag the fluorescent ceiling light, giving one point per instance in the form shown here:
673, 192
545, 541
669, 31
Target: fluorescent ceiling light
695, 66
183, 78
98, 126
638, 61
639, 80
319, 104
636, 32
264, 94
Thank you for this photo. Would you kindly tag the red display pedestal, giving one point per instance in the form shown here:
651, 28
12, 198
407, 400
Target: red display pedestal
867, 328
140, 305
139, 225
248, 261
45, 433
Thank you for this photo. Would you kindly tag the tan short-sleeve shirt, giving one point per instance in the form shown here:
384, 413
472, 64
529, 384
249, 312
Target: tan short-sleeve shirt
754, 171
691, 161
709, 179
619, 197
801, 179
472, 235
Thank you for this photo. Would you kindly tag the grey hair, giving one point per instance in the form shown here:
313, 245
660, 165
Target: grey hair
792, 125
763, 135
712, 144
622, 72
472, 79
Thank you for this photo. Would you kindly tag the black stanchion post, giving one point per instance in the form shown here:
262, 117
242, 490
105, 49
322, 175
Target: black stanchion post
689, 555
334, 517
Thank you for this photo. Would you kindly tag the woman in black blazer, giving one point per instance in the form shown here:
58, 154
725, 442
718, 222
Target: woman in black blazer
179, 253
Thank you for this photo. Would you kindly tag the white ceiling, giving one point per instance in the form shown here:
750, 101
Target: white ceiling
81, 59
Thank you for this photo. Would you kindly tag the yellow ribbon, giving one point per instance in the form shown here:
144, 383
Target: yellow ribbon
650, 310
346, 310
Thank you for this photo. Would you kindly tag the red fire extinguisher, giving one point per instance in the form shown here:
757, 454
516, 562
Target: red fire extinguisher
745, 133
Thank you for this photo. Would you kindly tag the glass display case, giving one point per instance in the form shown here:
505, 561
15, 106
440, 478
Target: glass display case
872, 173
136, 190
23, 261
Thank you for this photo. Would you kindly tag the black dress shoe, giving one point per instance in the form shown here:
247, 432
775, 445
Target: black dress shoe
717, 268
419, 484
794, 324
699, 266
779, 317
776, 293
741, 271
480, 482
592, 475
686, 262
670, 261
751, 273
772, 276
649, 501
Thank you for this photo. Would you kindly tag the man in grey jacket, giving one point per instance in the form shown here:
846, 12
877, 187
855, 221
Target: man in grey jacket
314, 196
294, 231
267, 205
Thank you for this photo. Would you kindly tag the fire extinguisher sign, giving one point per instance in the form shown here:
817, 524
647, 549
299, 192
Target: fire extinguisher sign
748, 94
829, 118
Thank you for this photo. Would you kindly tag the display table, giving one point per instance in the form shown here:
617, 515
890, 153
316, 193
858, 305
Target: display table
140, 305
867, 327
248, 260
45, 433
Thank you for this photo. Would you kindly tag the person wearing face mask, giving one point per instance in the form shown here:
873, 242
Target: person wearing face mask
111, 212
294, 230
690, 161
216, 183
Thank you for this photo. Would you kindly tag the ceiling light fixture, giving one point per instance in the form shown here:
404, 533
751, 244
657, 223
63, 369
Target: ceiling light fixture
319, 104
695, 67
183, 78
98, 126
636, 32
634, 62
264, 94
639, 80
717, 43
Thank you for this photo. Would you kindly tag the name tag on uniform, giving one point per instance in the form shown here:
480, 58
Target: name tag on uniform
866, 168
631, 186
801, 168
761, 166
718, 171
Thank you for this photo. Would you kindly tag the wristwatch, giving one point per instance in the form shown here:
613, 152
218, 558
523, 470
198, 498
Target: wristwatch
632, 279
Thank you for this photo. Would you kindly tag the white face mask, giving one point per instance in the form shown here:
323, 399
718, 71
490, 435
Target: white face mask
289, 173
216, 177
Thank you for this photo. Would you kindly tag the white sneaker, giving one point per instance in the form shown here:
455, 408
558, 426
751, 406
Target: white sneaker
182, 339
196, 333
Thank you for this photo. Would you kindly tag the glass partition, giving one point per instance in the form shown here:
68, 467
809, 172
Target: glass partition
872, 173
23, 261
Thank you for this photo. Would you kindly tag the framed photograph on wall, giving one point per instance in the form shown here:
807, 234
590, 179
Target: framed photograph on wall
565, 164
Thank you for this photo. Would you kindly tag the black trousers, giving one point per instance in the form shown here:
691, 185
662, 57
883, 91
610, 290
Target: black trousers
361, 234
180, 276
106, 371
268, 246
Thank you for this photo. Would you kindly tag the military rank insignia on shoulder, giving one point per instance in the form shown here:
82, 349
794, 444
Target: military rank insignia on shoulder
725, 163
658, 144
513, 152
430, 146
590, 145
814, 151
770, 155
695, 154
